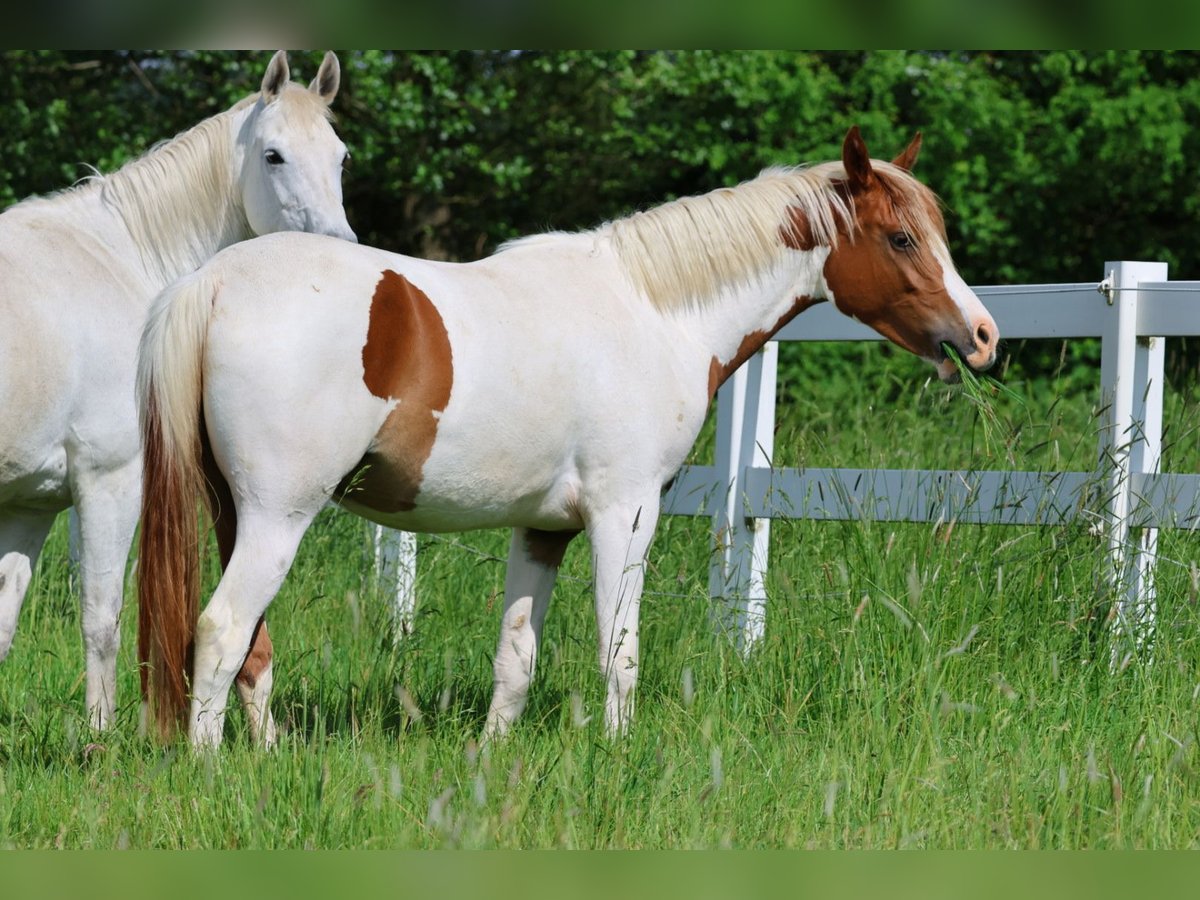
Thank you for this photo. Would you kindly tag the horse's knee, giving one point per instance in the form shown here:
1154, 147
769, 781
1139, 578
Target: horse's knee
102, 633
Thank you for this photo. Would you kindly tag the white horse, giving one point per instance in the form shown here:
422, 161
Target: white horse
553, 387
78, 271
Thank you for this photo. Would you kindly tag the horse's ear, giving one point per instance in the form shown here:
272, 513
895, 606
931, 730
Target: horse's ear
908, 158
276, 77
857, 161
329, 76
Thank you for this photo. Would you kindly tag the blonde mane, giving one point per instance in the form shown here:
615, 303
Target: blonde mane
687, 251
179, 200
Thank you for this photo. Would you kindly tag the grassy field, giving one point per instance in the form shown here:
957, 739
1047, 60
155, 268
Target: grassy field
918, 686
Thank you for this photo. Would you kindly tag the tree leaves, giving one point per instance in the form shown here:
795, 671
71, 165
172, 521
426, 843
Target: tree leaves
1048, 162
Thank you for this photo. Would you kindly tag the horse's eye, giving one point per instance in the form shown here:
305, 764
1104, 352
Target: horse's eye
274, 158
346, 160
901, 241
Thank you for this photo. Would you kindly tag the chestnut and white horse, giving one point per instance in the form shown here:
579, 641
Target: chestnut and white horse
78, 271
553, 387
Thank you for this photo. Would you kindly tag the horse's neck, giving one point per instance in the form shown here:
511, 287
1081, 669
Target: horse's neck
170, 232
735, 325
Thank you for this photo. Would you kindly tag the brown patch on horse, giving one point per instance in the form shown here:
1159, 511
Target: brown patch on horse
719, 372
896, 292
547, 547
407, 357
258, 659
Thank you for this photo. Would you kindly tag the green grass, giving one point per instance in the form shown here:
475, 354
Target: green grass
918, 686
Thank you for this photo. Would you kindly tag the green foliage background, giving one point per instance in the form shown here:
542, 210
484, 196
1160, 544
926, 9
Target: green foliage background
1048, 162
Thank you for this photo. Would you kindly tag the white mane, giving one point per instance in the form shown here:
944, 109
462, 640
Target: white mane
179, 200
686, 251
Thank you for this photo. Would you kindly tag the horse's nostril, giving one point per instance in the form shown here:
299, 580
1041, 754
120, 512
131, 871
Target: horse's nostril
983, 335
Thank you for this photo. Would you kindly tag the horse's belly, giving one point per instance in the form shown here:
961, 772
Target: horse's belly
466, 505
33, 457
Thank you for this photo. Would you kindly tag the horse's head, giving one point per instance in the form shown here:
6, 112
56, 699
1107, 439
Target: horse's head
893, 271
291, 159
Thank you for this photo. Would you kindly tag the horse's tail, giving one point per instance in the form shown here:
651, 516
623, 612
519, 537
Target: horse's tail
169, 386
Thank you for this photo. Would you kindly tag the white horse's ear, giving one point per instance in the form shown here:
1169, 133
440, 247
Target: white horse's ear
276, 77
329, 76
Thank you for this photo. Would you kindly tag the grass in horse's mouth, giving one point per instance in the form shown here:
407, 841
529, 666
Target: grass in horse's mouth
981, 390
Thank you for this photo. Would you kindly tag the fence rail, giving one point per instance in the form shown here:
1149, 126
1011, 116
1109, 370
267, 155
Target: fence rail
897, 495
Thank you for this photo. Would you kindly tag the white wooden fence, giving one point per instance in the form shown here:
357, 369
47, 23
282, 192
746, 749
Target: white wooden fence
1132, 310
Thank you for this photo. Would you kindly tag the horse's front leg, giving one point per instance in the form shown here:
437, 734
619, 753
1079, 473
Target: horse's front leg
533, 560
620, 537
108, 504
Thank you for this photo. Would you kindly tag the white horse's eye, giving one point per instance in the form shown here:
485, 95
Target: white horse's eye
346, 160
274, 158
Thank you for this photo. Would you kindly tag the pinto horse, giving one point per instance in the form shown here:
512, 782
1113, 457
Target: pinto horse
554, 387
78, 270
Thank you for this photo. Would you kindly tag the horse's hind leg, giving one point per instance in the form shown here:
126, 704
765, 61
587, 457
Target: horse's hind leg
254, 680
107, 503
254, 683
533, 560
266, 546
21, 539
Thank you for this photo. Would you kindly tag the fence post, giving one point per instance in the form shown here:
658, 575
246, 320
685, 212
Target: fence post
745, 437
1131, 376
396, 568
1139, 601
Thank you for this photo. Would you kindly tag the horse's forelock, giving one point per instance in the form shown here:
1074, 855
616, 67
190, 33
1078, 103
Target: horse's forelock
296, 101
918, 208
